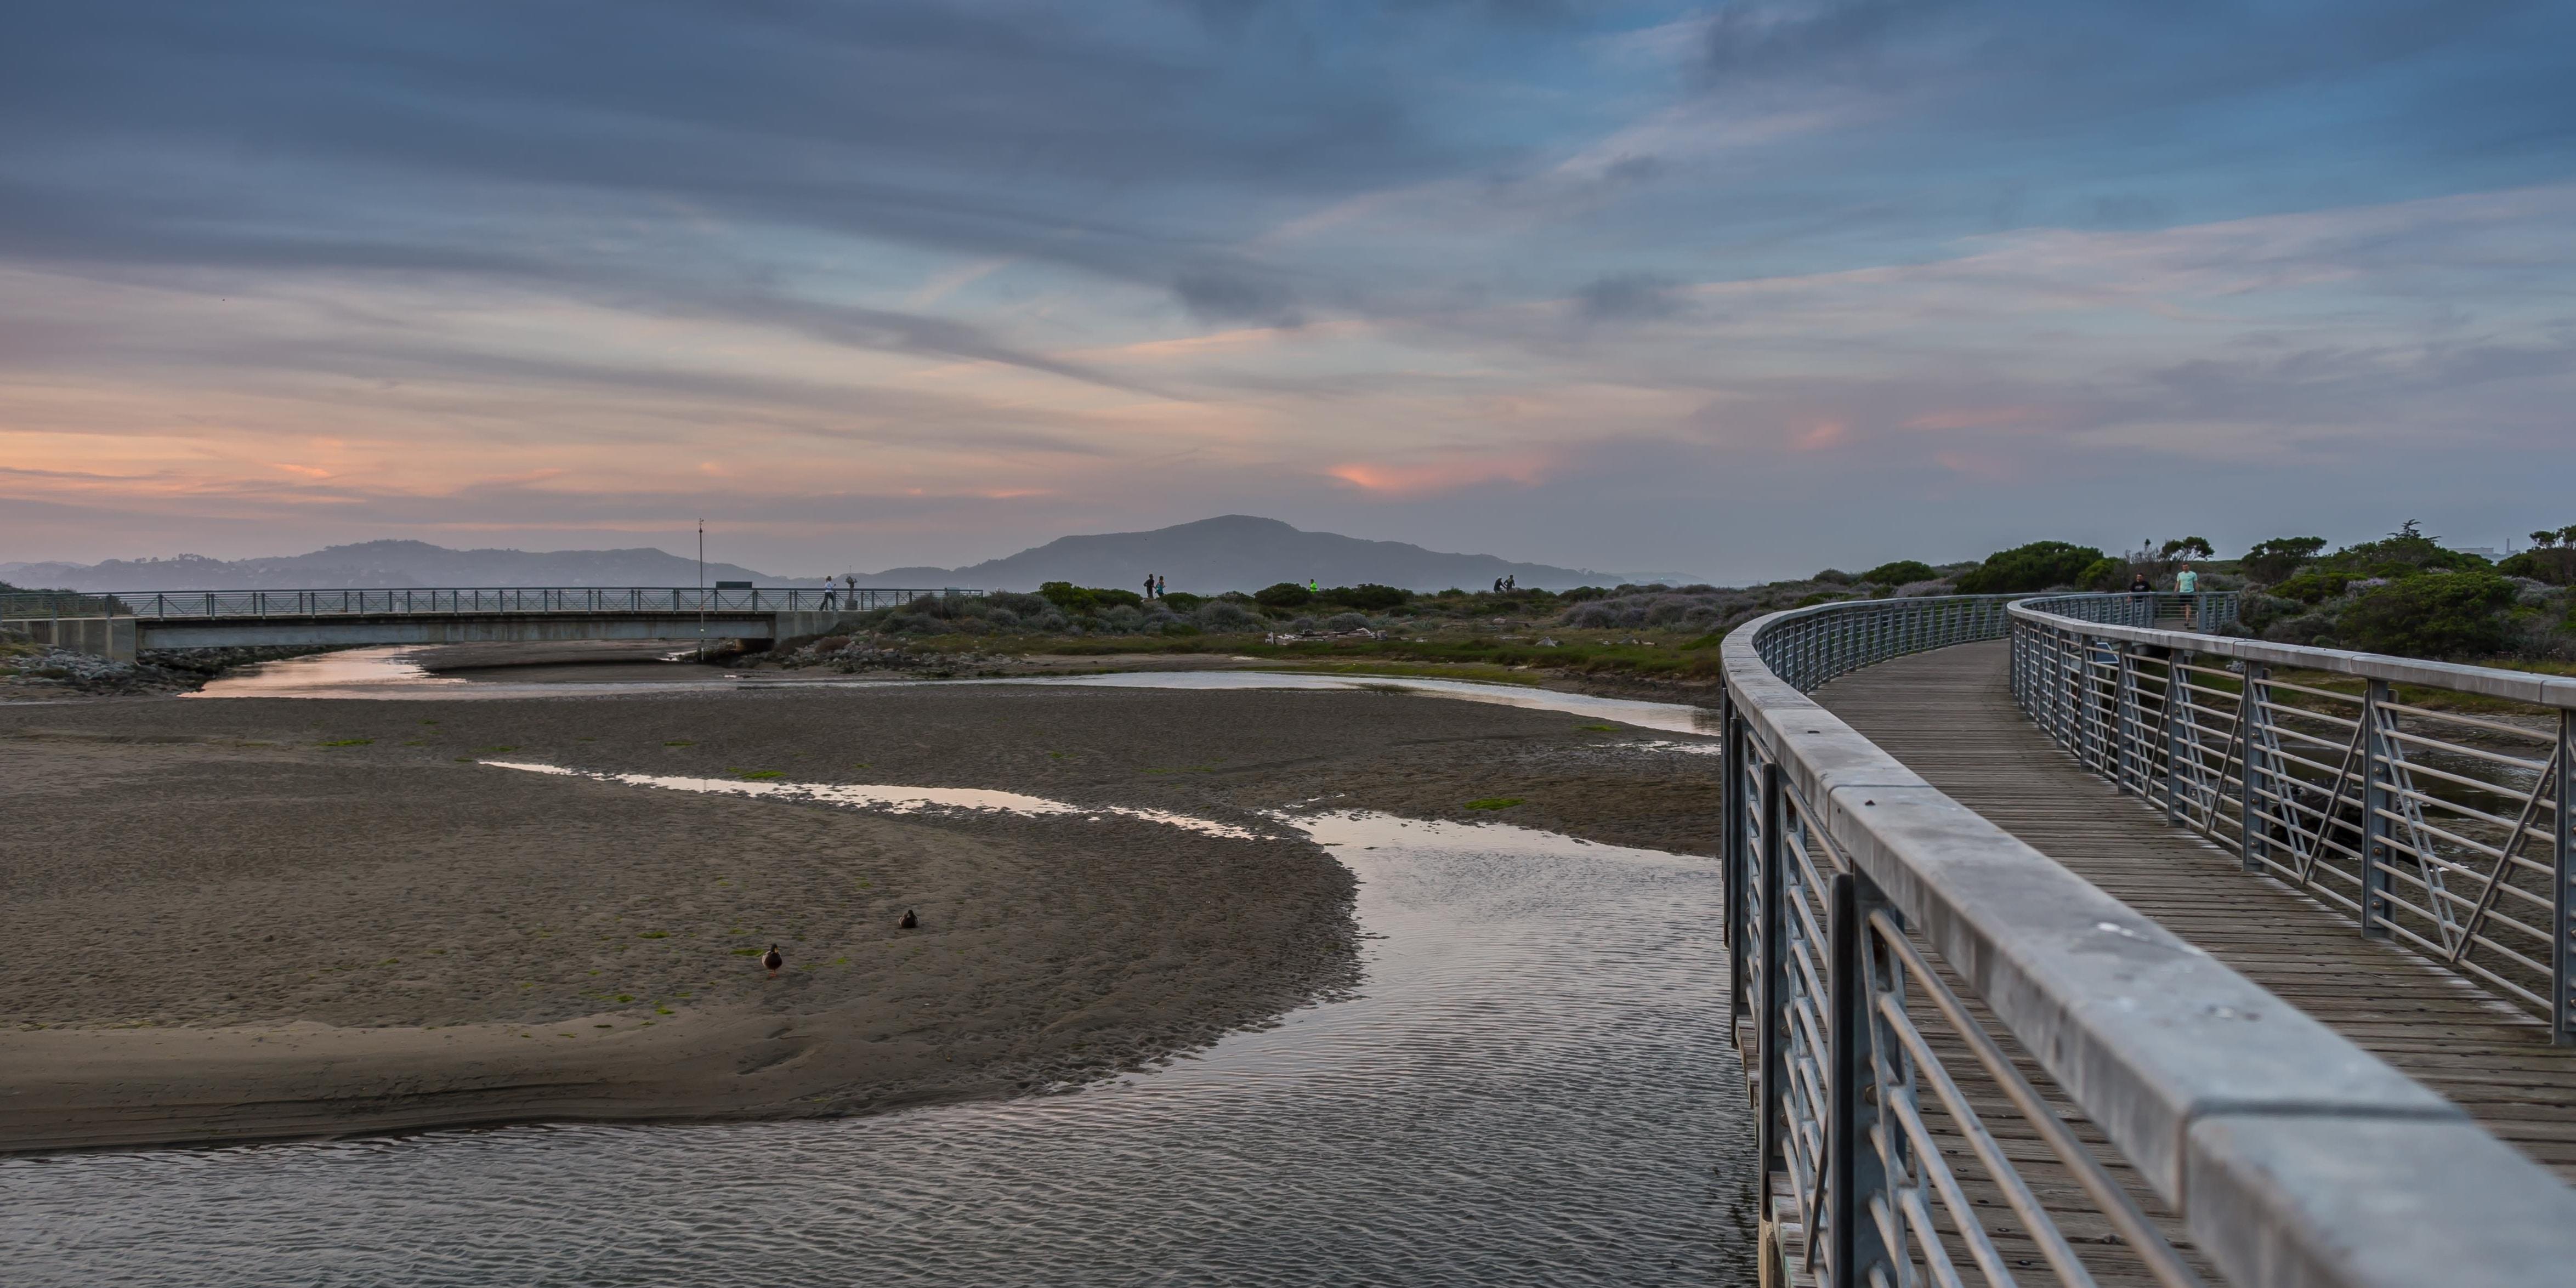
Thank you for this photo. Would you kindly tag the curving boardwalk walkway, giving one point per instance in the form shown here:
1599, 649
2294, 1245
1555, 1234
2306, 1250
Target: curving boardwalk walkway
1949, 717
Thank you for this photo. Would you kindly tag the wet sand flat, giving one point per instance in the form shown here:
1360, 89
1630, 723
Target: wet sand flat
247, 918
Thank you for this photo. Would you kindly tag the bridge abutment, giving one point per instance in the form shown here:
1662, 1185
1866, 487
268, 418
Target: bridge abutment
113, 638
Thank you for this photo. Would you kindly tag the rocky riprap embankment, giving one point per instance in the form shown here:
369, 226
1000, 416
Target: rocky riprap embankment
49, 671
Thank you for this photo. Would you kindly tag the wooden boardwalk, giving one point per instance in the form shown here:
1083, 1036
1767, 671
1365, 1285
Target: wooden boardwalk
1949, 717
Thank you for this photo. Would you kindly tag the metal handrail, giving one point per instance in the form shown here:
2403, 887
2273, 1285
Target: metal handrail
2442, 830
218, 605
2291, 1155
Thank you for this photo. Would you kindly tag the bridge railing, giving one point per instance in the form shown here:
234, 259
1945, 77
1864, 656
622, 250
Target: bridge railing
214, 605
1896, 959
2425, 801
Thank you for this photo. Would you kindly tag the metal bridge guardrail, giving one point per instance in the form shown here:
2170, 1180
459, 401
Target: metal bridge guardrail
2445, 830
1856, 892
221, 605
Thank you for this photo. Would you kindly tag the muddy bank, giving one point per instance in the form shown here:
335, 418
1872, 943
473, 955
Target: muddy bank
265, 917
56, 674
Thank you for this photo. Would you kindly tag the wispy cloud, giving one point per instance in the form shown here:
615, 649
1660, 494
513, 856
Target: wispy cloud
1681, 279
1449, 474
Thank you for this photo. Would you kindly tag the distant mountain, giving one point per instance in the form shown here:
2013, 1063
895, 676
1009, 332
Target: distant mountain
375, 565
1236, 552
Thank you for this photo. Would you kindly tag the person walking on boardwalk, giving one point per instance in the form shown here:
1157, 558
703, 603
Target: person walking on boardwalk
827, 594
2187, 583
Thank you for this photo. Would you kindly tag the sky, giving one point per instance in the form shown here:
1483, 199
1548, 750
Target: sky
1732, 291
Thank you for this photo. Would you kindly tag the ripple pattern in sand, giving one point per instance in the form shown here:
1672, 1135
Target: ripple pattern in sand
1531, 1089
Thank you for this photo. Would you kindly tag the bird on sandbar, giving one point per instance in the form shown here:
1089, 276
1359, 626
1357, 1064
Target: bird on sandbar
909, 922
772, 960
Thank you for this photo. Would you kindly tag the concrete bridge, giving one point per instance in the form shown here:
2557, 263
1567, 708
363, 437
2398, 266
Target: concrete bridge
118, 624
2073, 946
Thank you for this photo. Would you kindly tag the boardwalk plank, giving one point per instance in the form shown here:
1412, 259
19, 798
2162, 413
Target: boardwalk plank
1949, 717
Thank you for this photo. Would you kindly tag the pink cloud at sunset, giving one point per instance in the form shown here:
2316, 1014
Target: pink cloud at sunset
1431, 478
1821, 436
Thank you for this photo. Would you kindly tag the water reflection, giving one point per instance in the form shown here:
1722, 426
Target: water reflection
1533, 1089
1672, 717
394, 673
893, 799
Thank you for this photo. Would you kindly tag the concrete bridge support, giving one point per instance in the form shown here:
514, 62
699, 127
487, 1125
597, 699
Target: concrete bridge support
114, 638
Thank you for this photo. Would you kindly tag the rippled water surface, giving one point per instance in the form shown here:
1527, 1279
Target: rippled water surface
1532, 1088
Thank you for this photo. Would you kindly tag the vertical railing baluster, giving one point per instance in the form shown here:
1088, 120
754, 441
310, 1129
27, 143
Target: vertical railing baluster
1733, 819
2375, 910
2124, 697
2562, 889
1769, 1024
2175, 712
2254, 699
1853, 1175
2083, 679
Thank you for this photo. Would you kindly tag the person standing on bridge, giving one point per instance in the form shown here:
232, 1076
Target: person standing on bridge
827, 594
2187, 582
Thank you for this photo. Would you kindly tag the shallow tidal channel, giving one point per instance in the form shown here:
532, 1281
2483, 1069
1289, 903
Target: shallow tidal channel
1531, 1086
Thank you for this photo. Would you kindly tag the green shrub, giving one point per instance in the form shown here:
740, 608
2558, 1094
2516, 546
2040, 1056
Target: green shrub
1077, 600
1286, 594
2036, 566
1225, 615
2557, 567
2404, 553
2260, 611
2275, 560
1367, 596
1183, 602
2459, 614
2105, 574
1833, 577
1900, 573
2313, 587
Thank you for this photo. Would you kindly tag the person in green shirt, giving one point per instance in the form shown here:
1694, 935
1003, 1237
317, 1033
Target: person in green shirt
2188, 582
